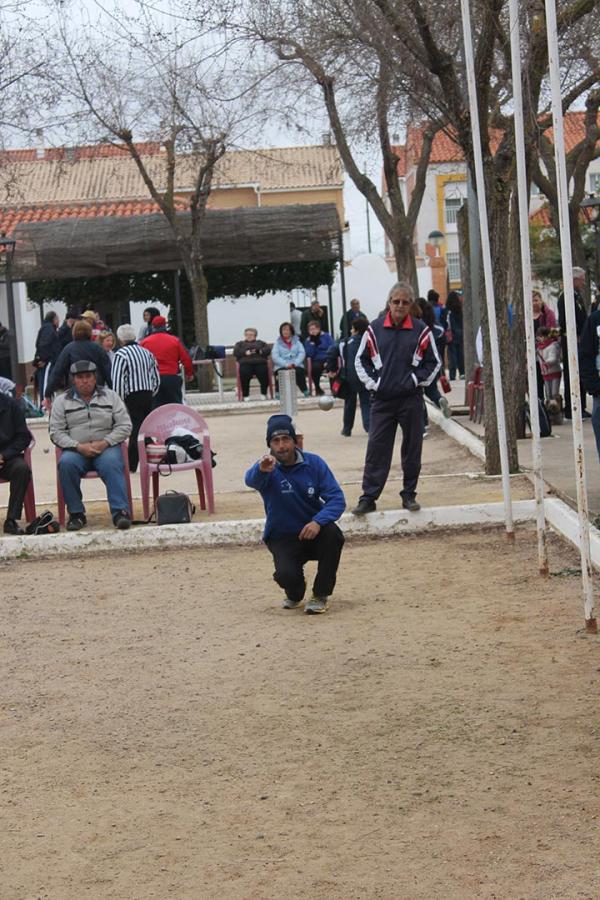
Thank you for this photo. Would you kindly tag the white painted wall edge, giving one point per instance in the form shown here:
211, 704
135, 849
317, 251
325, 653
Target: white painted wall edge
249, 531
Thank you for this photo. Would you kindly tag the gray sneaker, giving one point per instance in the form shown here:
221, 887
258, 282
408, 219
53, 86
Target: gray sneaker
316, 605
291, 604
445, 407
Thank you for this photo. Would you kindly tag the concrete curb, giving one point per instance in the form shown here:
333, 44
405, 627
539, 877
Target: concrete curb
249, 531
564, 519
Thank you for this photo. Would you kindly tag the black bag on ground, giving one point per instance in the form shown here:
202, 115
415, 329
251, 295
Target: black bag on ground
174, 508
545, 424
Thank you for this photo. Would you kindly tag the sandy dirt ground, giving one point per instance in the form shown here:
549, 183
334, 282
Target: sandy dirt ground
168, 731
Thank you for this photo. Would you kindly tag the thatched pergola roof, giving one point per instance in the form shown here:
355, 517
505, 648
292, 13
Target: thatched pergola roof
84, 247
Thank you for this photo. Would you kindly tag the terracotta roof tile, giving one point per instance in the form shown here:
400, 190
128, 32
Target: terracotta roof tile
10, 217
445, 149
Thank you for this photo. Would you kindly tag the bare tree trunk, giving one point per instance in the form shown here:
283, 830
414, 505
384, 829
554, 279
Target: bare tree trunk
199, 290
404, 255
499, 220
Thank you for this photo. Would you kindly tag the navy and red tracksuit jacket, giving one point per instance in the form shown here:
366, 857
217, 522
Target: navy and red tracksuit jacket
397, 361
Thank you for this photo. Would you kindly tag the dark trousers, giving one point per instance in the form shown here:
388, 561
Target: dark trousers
261, 371
567, 383
386, 416
316, 372
290, 555
300, 379
168, 392
350, 409
139, 404
456, 358
17, 472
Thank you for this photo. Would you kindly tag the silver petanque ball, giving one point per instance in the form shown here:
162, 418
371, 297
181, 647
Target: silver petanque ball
326, 403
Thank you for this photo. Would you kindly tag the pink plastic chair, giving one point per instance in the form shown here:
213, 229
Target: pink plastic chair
160, 424
60, 500
29, 503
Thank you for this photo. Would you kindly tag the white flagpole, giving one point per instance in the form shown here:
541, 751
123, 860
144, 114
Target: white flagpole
487, 266
523, 197
567, 272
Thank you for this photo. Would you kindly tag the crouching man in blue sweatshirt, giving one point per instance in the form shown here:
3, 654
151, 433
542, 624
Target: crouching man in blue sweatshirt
302, 503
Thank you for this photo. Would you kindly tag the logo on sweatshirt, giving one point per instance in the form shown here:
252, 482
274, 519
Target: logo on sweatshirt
286, 486
311, 491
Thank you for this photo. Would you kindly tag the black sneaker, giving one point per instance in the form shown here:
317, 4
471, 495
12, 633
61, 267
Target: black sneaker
11, 526
345, 433
364, 506
44, 524
411, 504
316, 605
291, 604
76, 521
121, 520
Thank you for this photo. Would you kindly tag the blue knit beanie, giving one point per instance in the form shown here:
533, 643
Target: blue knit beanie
280, 424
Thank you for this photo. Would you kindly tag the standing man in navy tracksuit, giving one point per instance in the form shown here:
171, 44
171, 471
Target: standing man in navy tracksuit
396, 359
303, 502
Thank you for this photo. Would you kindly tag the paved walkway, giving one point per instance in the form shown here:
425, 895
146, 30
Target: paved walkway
557, 453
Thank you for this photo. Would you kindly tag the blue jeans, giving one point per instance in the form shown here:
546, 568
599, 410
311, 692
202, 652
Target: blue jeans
109, 466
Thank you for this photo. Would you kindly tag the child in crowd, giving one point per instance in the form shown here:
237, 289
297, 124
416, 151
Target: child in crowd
549, 355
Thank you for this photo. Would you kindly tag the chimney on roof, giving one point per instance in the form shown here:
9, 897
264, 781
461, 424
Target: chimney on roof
39, 143
326, 137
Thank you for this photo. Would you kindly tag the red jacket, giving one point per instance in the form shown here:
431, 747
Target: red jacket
169, 352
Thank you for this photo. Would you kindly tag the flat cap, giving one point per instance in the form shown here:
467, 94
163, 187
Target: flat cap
82, 365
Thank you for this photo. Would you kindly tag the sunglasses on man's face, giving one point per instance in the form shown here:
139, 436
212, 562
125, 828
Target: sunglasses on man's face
401, 302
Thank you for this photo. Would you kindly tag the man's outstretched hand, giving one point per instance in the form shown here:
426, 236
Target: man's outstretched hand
267, 463
310, 531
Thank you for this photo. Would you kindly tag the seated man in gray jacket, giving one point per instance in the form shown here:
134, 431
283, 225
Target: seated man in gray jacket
89, 423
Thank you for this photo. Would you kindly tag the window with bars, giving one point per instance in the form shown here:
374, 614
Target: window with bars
453, 263
451, 208
595, 182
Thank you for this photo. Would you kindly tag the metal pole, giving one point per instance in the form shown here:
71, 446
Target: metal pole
368, 219
567, 272
178, 315
523, 198
487, 266
597, 273
343, 283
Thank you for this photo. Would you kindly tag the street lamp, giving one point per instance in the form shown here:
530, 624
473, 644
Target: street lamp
436, 239
590, 208
7, 246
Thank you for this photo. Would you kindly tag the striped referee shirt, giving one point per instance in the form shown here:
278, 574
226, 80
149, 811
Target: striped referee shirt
134, 369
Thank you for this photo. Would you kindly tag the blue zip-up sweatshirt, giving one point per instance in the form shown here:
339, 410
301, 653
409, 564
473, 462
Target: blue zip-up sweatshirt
298, 494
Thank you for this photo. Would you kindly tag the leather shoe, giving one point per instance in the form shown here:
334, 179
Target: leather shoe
364, 506
11, 526
411, 504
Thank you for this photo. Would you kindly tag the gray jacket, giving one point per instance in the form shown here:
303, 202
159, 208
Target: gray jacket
105, 418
